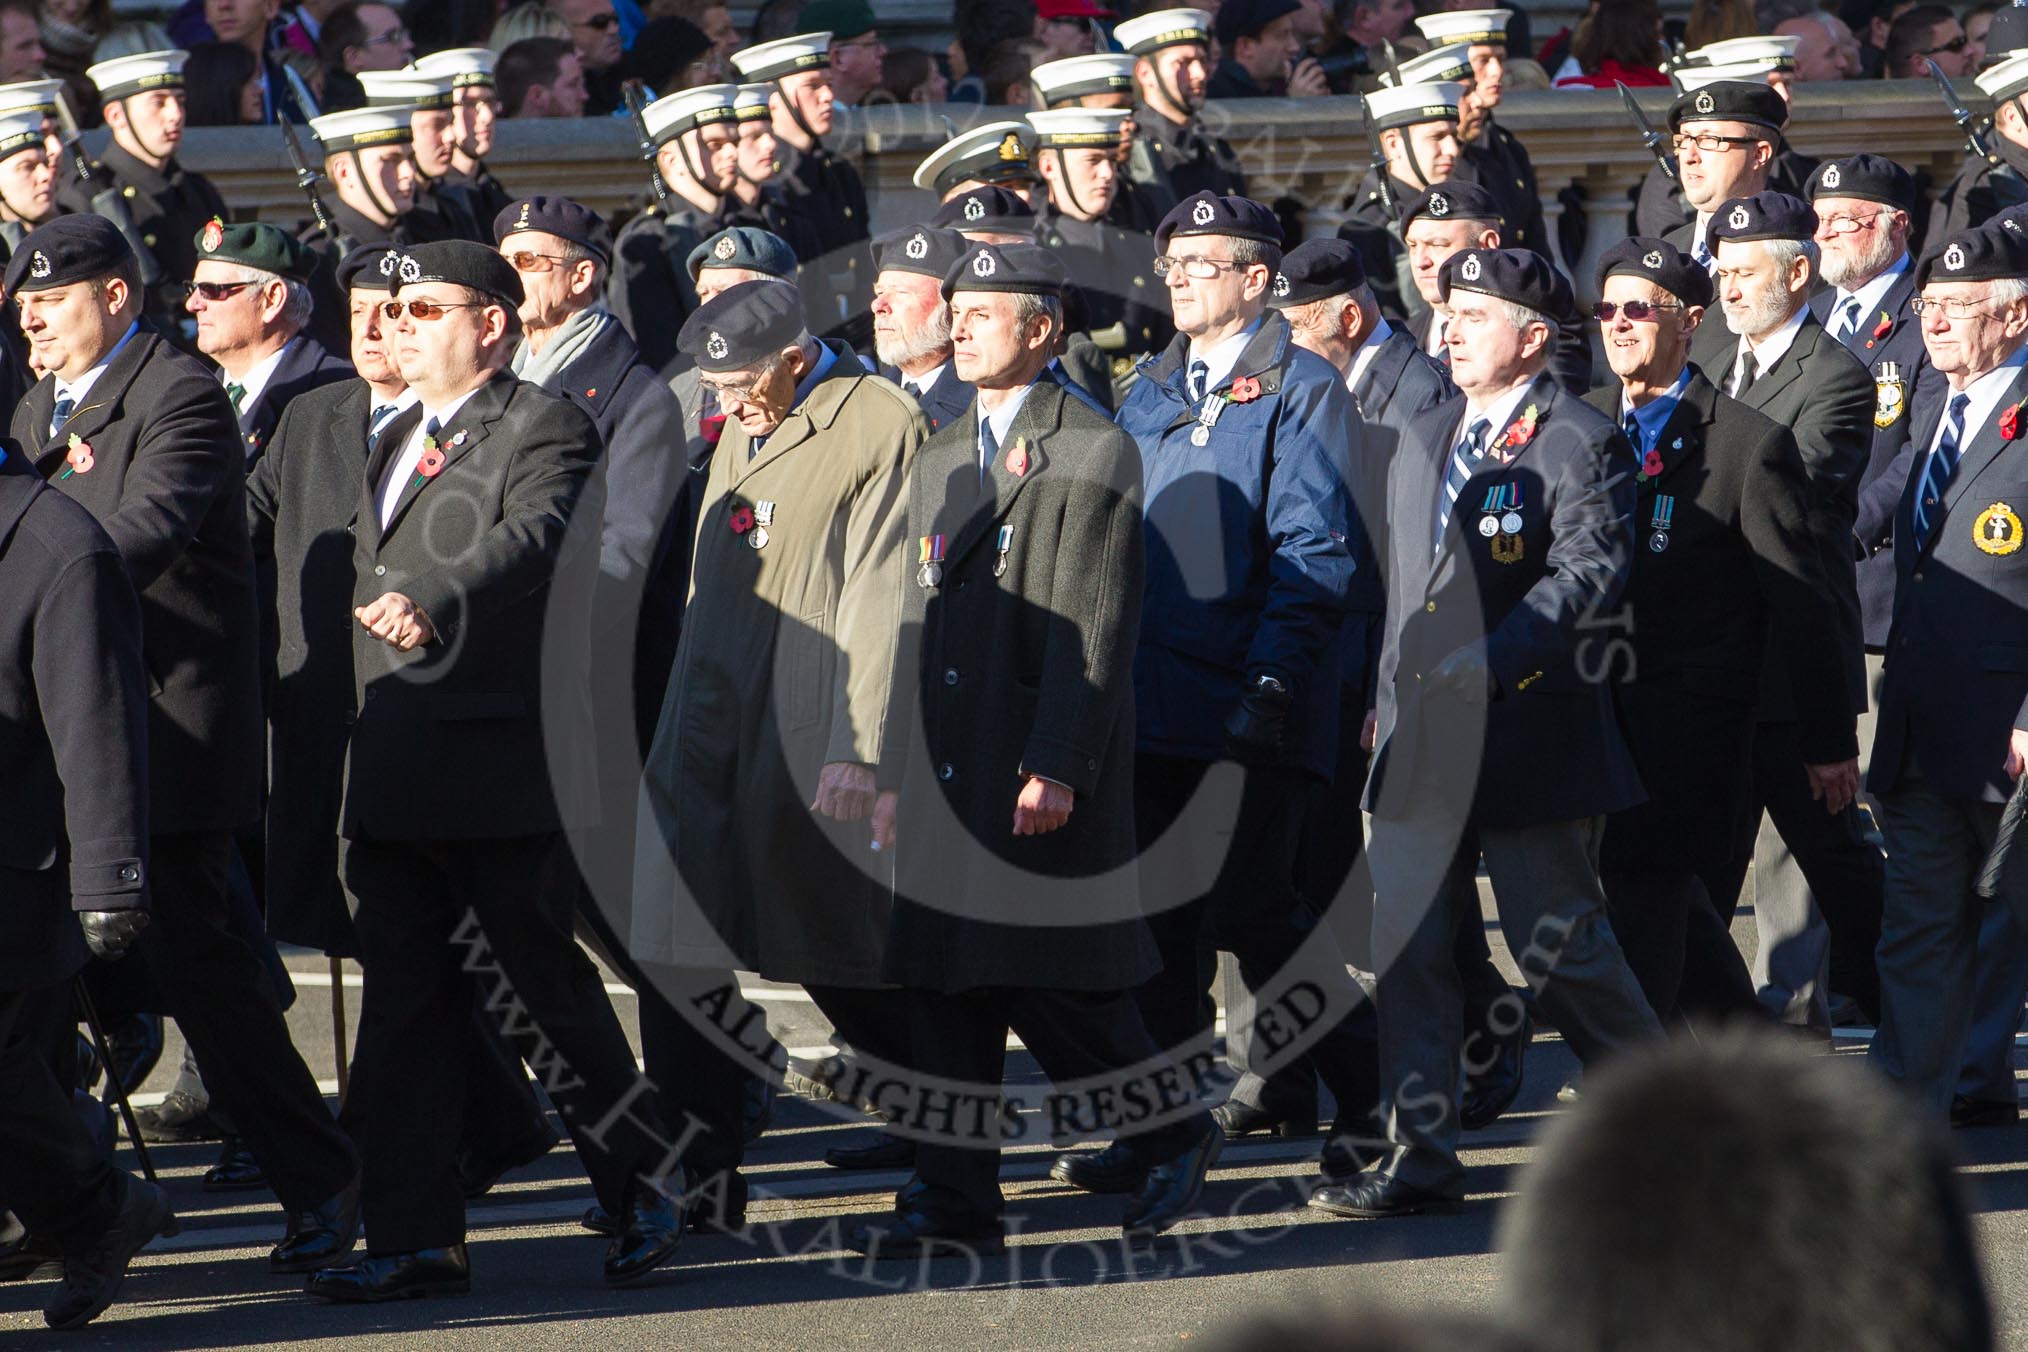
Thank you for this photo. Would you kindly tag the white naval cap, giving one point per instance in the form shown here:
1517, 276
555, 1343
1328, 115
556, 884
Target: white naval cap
673, 114
460, 65
2005, 78
1471, 26
1445, 63
784, 56
36, 95
992, 153
20, 130
126, 76
1074, 77
358, 128
1776, 53
751, 101
1150, 33
1689, 78
409, 86
1074, 128
1409, 104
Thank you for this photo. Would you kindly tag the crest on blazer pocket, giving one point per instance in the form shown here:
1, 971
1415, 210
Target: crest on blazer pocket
1997, 530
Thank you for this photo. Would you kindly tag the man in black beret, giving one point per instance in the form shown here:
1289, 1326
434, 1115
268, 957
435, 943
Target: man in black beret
1982, 189
1949, 750
1784, 365
143, 436
989, 214
781, 681
1660, 206
912, 321
1509, 506
454, 811
1249, 442
1728, 573
1007, 768
1725, 139
76, 795
250, 296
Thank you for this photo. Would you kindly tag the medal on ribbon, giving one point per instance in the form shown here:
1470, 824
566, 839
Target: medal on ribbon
1005, 543
1502, 510
763, 517
1661, 521
931, 551
1207, 418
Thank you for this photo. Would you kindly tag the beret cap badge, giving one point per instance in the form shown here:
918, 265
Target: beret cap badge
717, 346
1705, 103
1439, 205
724, 248
917, 246
387, 263
1469, 270
522, 219
1203, 213
975, 210
39, 265
1281, 284
1653, 259
214, 234
1954, 258
1832, 178
411, 271
1738, 219
983, 265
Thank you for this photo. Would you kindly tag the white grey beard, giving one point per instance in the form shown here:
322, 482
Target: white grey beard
905, 349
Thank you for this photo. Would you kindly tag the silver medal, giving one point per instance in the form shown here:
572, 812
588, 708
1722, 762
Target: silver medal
1200, 435
758, 537
1659, 541
1489, 526
1511, 523
932, 575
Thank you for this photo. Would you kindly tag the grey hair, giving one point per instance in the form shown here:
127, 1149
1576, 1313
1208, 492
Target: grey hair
575, 253
1247, 252
298, 303
2008, 290
1028, 305
1783, 253
1519, 316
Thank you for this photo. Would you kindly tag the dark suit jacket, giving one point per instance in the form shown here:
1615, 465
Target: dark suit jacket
1979, 191
1569, 359
306, 365
302, 499
1895, 402
167, 483
73, 730
1957, 656
1020, 662
1821, 393
945, 401
1549, 748
500, 550
1725, 556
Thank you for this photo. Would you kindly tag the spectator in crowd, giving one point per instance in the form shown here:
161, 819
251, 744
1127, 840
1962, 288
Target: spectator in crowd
1808, 1208
1718, 21
911, 75
21, 54
245, 23
70, 30
1825, 47
856, 49
1977, 21
1369, 23
355, 38
774, 19
1068, 27
1004, 74
298, 26
1871, 20
531, 19
673, 54
1920, 35
1261, 52
222, 86
711, 18
595, 28
1619, 42
541, 77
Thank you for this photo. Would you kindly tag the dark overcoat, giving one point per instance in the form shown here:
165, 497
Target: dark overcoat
650, 289
305, 366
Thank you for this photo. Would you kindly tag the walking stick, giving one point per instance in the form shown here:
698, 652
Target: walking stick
91, 1016
338, 1048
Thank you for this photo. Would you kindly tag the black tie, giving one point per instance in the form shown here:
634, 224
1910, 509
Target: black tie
376, 424
989, 449
1634, 434
1748, 373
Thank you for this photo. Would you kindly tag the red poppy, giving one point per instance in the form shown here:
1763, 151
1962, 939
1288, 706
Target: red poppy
1245, 390
2010, 422
1880, 329
1519, 432
742, 520
1017, 460
430, 463
1651, 465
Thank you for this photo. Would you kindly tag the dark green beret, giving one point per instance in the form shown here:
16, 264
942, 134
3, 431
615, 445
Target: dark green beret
256, 245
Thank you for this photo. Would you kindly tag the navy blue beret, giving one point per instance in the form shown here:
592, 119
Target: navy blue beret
746, 247
742, 325
1206, 213
1985, 253
1765, 215
1660, 262
1518, 275
460, 262
1315, 270
1870, 178
924, 249
69, 249
1454, 201
1027, 268
988, 207
557, 216
370, 267
1751, 101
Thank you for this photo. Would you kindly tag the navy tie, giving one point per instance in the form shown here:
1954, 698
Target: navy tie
60, 414
1634, 437
989, 449
1200, 376
1464, 455
1936, 475
1849, 325
377, 423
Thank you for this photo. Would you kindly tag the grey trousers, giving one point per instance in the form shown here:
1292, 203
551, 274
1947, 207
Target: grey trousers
1929, 937
1552, 913
1999, 984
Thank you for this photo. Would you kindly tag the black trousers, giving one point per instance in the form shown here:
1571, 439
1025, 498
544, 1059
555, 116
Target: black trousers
961, 1040
501, 1110
52, 1174
436, 917
877, 1022
1246, 904
221, 995
1651, 914
1844, 870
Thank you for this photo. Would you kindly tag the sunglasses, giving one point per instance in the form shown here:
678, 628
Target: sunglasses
426, 309
599, 23
527, 260
1956, 44
1639, 311
215, 292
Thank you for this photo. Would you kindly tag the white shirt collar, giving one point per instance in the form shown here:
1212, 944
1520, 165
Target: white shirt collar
1497, 414
1221, 357
1438, 322
1986, 393
1703, 223
1775, 346
405, 459
923, 383
77, 390
1363, 358
256, 380
1001, 420
1870, 295
401, 403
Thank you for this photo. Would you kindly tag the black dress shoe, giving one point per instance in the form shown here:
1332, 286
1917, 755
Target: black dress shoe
716, 1204
236, 1171
1492, 1090
1172, 1188
918, 1234
176, 1119
1377, 1196
1971, 1112
91, 1279
1113, 1169
477, 1174
396, 1276
1244, 1119
885, 1152
653, 1230
1348, 1153
321, 1236
599, 1221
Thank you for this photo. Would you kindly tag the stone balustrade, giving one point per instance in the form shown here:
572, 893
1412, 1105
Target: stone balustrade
1313, 150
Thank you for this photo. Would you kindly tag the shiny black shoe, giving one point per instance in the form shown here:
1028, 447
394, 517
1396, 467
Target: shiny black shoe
1244, 1119
918, 1234
1377, 1197
884, 1152
1971, 1112
1172, 1188
321, 1236
176, 1119
477, 1175
92, 1279
1493, 1089
396, 1276
135, 1045
1347, 1153
653, 1230
1113, 1169
718, 1204
236, 1171
599, 1221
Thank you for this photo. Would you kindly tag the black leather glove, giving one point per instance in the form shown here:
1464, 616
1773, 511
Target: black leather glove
109, 934
1465, 674
1253, 731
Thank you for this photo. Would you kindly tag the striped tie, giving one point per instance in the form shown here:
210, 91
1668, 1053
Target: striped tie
1936, 475
1464, 455
60, 414
1849, 324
